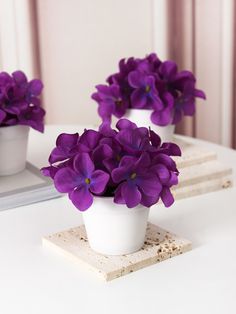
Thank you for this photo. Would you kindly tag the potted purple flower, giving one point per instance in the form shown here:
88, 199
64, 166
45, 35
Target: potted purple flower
19, 109
149, 91
113, 177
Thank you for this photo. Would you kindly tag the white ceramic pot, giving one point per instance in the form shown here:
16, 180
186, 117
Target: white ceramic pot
114, 229
142, 117
13, 149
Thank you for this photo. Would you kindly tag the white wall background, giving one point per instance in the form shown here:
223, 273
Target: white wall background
81, 42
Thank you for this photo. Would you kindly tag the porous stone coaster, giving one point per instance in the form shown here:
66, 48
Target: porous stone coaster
159, 245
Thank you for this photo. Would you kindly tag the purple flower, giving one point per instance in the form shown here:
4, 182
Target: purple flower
32, 116
110, 101
148, 83
185, 103
106, 130
170, 149
82, 181
178, 96
145, 94
134, 141
137, 183
66, 147
124, 124
89, 141
164, 116
121, 78
165, 169
111, 159
51, 171
19, 101
131, 165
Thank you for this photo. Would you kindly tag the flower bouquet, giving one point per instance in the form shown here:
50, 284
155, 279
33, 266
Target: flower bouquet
149, 91
19, 109
114, 177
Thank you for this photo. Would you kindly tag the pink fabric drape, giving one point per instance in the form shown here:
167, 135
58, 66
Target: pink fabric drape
196, 41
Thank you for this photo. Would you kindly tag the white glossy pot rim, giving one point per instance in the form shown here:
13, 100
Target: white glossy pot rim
138, 110
13, 132
15, 126
108, 202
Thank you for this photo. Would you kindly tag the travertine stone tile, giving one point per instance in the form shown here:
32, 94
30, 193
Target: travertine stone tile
159, 245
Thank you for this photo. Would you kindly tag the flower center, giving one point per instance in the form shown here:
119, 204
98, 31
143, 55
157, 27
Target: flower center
118, 157
147, 89
87, 181
118, 102
27, 116
133, 175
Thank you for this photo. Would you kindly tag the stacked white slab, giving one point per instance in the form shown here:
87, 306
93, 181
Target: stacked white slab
200, 172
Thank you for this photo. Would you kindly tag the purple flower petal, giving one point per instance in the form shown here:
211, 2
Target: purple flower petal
127, 161
168, 69
164, 159
182, 78
161, 118
177, 116
189, 108
118, 198
199, 93
155, 139
81, 198
138, 99
100, 152
32, 116
35, 87
162, 172
99, 180
131, 194
123, 124
171, 149
103, 90
149, 184
135, 79
167, 197
173, 179
67, 140
106, 109
19, 77
66, 180
106, 130
49, 171
119, 174
5, 78
90, 139
83, 165
57, 154
143, 161
148, 200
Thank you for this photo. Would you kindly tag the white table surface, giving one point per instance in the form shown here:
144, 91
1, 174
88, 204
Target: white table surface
36, 280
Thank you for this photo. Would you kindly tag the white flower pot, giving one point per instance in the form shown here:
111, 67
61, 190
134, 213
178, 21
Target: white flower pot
13, 149
114, 229
142, 117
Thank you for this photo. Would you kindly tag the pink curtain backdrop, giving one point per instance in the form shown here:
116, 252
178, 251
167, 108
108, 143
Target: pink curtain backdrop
65, 36
198, 40
234, 87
